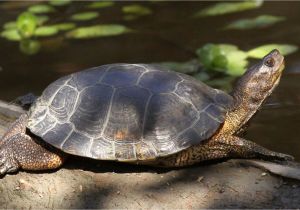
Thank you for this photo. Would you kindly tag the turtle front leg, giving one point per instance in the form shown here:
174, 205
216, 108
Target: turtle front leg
19, 150
22, 152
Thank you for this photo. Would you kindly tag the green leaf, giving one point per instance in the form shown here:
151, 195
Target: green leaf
26, 24
100, 4
30, 47
213, 56
237, 63
10, 25
59, 2
236, 60
41, 8
41, 19
84, 16
258, 22
207, 54
228, 47
46, 31
229, 7
97, 31
136, 9
224, 58
11, 34
219, 63
64, 26
261, 51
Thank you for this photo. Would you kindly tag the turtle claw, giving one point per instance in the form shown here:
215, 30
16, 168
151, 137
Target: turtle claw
2, 161
3, 170
284, 157
8, 168
288, 157
7, 165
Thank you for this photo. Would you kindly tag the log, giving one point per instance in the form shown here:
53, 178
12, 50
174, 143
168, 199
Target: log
84, 183
8, 113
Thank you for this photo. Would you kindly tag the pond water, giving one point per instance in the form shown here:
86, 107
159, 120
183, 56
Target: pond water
169, 34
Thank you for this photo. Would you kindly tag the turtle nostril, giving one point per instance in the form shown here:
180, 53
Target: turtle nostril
275, 51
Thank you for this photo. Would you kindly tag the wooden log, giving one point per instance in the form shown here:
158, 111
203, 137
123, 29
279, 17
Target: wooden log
8, 113
84, 183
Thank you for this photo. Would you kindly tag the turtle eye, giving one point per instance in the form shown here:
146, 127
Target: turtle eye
270, 62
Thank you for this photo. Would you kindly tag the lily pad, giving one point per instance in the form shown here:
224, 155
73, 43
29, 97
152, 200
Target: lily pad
46, 31
261, 51
100, 4
10, 25
229, 7
30, 47
97, 31
64, 26
136, 9
59, 2
11, 34
258, 22
41, 8
84, 16
26, 24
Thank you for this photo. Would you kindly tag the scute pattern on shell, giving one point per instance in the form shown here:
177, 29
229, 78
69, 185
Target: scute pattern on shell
127, 112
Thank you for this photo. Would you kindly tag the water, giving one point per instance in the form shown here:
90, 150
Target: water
277, 125
169, 34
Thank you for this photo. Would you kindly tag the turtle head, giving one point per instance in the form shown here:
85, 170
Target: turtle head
260, 80
252, 89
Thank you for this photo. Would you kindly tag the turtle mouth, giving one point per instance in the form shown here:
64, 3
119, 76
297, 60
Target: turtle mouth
277, 78
281, 67
278, 75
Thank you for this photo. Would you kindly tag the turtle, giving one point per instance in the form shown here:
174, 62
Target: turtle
140, 114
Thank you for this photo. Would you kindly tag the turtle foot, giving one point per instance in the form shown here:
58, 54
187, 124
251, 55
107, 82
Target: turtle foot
7, 165
285, 157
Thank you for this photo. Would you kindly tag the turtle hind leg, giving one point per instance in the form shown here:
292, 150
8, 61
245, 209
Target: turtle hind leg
240, 148
210, 150
223, 147
22, 151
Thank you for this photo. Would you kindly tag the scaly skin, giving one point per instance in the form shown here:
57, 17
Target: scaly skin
227, 147
250, 92
19, 150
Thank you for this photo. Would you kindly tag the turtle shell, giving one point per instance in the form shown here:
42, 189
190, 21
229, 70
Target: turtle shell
127, 112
